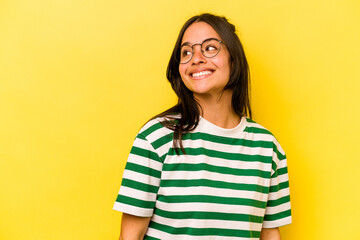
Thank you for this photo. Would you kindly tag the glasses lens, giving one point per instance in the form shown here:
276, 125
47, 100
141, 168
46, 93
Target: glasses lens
210, 48
185, 54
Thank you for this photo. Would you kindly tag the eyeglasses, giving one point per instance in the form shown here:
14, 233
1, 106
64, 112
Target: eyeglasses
209, 48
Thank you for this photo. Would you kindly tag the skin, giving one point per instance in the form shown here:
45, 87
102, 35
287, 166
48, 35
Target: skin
270, 234
133, 227
208, 90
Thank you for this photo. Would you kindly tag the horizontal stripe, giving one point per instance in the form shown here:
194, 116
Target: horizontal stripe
238, 164
278, 208
213, 184
258, 137
277, 216
209, 215
277, 223
207, 223
157, 234
279, 194
138, 194
215, 139
280, 186
133, 210
204, 231
140, 177
144, 170
187, 175
211, 168
146, 162
211, 199
256, 130
218, 192
223, 155
279, 179
152, 128
277, 202
282, 171
279, 172
227, 140
135, 202
163, 140
230, 149
210, 207
145, 153
139, 186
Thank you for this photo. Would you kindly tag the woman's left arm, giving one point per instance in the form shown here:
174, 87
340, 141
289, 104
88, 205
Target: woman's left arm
270, 234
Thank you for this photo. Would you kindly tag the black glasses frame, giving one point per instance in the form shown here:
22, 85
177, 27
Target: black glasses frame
177, 52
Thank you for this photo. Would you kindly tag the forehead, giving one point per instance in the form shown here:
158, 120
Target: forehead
198, 32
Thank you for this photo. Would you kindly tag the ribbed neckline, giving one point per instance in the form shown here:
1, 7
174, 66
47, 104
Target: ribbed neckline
212, 128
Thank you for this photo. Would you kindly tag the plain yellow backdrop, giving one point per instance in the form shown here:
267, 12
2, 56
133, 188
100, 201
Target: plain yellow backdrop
79, 78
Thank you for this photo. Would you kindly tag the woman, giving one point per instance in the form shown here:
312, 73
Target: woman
203, 169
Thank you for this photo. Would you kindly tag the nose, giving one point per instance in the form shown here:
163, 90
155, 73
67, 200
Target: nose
198, 57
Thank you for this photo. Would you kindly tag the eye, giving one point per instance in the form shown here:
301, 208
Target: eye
185, 53
211, 48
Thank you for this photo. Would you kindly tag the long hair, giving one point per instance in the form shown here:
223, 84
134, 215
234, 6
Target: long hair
184, 116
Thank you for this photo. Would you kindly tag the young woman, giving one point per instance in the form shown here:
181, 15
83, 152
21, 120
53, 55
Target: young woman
203, 169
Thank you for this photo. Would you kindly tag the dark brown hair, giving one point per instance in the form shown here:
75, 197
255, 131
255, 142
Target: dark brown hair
187, 108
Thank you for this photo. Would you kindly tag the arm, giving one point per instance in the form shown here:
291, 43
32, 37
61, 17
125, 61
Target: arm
133, 227
270, 234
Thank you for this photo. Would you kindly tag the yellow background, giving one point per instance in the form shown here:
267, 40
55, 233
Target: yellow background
79, 78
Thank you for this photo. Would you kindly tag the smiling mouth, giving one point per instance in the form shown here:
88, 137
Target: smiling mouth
202, 73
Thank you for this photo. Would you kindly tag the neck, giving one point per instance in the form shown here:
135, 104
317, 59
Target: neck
218, 109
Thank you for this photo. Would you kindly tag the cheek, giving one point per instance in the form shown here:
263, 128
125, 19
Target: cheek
225, 62
182, 70
226, 66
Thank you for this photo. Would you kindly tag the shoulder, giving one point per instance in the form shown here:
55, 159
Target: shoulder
157, 124
261, 133
256, 128
155, 132
150, 127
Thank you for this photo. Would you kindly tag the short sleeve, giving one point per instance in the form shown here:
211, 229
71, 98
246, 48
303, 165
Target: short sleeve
278, 209
141, 180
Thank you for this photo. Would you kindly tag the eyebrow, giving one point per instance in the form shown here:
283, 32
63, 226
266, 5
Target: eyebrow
185, 43
189, 43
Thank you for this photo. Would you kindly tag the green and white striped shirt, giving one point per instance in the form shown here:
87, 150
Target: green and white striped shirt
228, 185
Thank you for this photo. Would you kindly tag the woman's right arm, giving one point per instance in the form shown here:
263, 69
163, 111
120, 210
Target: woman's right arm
133, 227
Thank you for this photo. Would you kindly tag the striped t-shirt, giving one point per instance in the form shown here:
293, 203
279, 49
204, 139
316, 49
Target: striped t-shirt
230, 184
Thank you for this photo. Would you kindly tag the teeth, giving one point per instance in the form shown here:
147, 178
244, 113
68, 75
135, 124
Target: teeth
201, 73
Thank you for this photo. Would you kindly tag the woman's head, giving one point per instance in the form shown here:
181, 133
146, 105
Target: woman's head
204, 61
238, 73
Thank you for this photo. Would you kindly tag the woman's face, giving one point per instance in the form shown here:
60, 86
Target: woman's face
204, 76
